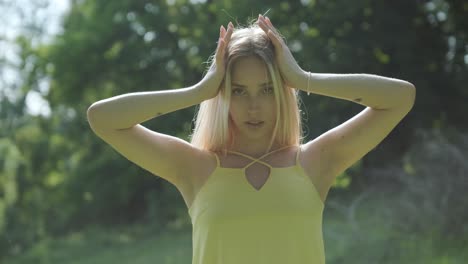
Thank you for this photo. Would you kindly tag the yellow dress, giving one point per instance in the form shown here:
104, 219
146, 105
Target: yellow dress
234, 223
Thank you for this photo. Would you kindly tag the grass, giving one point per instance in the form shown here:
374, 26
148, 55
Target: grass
365, 236
369, 236
98, 246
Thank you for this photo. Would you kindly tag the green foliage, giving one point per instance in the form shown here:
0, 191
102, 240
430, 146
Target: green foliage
56, 176
8, 183
344, 179
436, 182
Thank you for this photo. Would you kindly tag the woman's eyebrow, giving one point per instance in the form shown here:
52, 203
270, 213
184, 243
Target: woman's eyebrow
262, 84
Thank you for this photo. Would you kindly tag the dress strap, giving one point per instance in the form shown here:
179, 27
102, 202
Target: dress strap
258, 159
299, 149
217, 159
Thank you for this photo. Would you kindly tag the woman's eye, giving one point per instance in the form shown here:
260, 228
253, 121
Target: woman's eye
237, 91
269, 90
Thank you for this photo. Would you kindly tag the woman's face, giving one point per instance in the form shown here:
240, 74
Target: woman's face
252, 100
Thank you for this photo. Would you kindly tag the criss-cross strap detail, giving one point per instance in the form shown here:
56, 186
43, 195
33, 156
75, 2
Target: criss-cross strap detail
259, 159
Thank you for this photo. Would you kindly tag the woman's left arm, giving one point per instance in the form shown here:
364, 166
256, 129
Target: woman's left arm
378, 92
388, 101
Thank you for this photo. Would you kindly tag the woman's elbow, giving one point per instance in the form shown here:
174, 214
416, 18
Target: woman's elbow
94, 116
412, 92
409, 96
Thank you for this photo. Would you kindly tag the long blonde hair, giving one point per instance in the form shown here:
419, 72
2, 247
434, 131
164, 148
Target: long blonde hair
213, 126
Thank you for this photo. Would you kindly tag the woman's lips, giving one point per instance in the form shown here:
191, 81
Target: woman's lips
254, 123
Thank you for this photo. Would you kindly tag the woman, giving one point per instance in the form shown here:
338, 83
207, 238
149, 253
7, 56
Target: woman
255, 193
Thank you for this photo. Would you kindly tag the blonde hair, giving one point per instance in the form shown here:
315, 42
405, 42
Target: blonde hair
213, 126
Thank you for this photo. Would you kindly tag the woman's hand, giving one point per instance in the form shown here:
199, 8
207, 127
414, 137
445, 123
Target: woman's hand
288, 66
211, 83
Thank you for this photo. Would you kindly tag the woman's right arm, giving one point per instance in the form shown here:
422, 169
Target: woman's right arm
117, 120
127, 110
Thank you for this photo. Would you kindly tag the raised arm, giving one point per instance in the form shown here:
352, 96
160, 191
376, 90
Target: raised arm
388, 100
117, 121
127, 110
375, 91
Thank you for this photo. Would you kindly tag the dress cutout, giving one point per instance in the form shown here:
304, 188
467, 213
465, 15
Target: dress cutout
261, 177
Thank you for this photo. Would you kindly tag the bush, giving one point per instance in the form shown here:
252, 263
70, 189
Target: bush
430, 186
436, 181
411, 212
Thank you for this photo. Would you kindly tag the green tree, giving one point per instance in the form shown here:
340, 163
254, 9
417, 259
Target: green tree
57, 172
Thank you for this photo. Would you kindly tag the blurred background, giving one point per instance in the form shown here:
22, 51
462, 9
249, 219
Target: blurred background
67, 197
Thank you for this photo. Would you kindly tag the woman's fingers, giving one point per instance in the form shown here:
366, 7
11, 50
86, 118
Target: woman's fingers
263, 25
269, 22
228, 35
222, 34
224, 38
266, 23
220, 52
269, 29
265, 28
219, 48
222, 31
261, 22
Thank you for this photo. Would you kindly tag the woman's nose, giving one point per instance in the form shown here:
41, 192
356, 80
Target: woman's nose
253, 104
